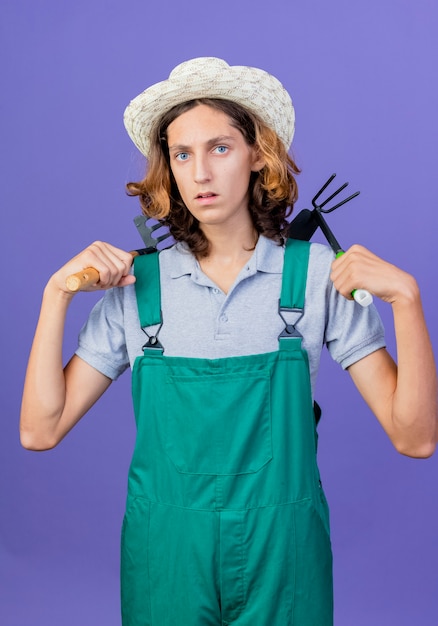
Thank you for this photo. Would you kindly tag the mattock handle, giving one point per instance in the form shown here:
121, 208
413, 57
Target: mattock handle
361, 296
86, 277
79, 281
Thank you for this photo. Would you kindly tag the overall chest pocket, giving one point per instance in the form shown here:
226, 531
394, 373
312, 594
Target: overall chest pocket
219, 424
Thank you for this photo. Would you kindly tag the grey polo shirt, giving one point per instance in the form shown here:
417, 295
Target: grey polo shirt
199, 320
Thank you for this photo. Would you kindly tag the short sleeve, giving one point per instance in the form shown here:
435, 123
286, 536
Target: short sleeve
352, 332
102, 341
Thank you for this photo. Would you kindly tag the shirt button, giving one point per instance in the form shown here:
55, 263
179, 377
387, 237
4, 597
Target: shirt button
215, 290
224, 318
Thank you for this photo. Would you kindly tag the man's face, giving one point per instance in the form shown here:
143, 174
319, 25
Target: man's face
212, 164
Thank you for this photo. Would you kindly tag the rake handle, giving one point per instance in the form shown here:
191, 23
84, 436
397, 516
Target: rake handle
361, 296
86, 277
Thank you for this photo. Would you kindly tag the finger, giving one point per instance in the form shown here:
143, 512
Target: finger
352, 270
111, 263
102, 264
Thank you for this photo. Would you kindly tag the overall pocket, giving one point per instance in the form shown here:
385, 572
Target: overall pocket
219, 424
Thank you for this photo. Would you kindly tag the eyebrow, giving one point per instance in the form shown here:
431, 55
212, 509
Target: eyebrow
211, 142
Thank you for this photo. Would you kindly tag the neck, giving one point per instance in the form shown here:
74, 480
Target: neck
229, 252
230, 243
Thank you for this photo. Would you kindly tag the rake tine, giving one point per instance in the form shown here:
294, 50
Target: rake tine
156, 228
319, 207
323, 188
341, 188
353, 195
147, 231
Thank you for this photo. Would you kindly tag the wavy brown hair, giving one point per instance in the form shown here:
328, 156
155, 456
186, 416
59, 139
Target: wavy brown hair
272, 191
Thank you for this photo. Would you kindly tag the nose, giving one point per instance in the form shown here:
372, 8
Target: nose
201, 170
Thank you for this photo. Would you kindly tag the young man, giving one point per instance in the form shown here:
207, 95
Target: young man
226, 519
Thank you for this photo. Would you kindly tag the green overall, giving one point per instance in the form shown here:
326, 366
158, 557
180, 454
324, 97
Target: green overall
226, 520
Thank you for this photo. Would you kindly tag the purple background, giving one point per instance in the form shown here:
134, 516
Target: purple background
363, 79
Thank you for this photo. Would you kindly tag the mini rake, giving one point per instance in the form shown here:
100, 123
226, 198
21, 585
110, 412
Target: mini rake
152, 233
306, 223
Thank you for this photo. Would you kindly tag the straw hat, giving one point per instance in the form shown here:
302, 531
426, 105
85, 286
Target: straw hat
209, 77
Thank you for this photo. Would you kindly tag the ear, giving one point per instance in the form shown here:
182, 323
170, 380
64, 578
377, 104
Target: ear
258, 160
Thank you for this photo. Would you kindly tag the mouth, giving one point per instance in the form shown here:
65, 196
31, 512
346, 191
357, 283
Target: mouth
207, 194
206, 198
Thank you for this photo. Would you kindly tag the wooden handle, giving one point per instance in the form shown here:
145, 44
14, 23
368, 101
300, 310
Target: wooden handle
80, 280
85, 278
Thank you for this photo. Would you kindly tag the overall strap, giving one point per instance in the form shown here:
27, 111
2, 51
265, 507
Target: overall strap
147, 289
293, 289
293, 292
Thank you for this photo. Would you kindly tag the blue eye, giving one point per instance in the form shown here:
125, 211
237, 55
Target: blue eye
221, 149
182, 156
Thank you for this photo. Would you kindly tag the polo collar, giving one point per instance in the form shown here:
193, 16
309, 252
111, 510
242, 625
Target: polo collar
267, 257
